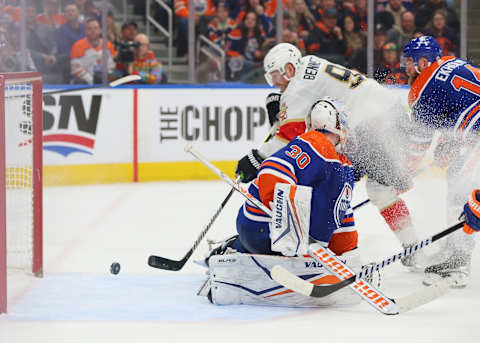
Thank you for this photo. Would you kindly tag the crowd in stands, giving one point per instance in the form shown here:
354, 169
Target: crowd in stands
64, 36
333, 29
64, 42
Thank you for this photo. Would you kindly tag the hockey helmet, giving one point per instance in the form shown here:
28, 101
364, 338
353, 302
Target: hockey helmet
278, 57
328, 114
424, 46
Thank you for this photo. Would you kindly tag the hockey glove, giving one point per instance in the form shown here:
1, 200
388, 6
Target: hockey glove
471, 210
247, 167
272, 103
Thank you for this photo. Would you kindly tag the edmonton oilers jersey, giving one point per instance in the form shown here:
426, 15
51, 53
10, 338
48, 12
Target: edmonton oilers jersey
446, 95
311, 160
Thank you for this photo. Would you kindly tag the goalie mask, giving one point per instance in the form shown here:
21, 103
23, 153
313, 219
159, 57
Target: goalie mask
328, 115
278, 57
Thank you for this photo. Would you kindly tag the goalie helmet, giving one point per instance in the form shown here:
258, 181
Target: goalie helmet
278, 57
329, 115
425, 46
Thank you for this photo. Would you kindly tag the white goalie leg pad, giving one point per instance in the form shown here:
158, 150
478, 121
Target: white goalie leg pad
290, 223
245, 279
380, 195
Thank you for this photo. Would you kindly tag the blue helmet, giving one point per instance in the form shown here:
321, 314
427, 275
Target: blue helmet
424, 46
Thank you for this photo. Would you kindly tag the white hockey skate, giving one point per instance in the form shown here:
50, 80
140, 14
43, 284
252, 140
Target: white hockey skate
456, 268
415, 262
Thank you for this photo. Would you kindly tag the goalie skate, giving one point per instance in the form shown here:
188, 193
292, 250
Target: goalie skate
455, 268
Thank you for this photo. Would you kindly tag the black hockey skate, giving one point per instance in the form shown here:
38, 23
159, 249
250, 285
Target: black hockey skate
456, 268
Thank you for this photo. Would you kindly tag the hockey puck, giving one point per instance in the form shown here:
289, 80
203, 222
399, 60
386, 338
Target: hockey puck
115, 268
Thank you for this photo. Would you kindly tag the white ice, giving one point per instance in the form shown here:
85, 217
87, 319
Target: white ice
87, 228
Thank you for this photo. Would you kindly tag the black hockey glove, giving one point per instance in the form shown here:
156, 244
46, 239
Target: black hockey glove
272, 103
247, 167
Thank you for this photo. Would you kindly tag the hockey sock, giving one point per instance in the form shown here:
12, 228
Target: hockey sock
398, 219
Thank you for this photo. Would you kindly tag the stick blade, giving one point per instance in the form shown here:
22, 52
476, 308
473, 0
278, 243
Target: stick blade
125, 79
291, 281
164, 263
423, 296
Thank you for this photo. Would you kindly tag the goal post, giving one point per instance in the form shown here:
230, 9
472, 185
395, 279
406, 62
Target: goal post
21, 214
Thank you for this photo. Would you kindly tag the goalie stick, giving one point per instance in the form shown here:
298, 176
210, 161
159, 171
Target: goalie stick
366, 291
167, 264
120, 81
312, 290
159, 262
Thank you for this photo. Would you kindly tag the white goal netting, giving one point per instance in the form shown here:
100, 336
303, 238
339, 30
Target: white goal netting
18, 174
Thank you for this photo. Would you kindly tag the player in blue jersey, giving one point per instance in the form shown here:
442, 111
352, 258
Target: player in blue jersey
308, 185
445, 96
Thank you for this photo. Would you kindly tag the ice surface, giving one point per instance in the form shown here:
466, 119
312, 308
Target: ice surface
87, 228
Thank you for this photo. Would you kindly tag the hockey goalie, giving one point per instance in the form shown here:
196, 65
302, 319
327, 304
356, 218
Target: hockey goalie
308, 186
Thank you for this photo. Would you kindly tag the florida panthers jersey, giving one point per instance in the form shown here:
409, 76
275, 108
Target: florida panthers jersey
316, 78
446, 95
308, 160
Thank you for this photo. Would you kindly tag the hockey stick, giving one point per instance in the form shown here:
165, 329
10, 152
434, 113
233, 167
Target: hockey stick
159, 262
316, 291
367, 292
121, 81
167, 264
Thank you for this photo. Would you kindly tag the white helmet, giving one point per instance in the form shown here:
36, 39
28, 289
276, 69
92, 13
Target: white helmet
278, 57
328, 114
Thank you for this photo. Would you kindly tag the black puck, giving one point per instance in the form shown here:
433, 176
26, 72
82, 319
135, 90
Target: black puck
115, 268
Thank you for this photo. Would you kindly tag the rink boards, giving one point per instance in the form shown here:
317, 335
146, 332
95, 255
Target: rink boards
138, 134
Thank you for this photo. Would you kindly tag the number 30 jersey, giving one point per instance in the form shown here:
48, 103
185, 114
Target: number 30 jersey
446, 95
316, 78
311, 160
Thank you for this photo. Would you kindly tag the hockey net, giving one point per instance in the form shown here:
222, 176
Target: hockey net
20, 177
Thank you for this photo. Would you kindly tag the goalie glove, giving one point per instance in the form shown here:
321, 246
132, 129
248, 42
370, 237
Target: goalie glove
272, 103
247, 167
471, 211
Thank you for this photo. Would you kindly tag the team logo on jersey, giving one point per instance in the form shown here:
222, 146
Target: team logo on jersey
282, 114
343, 203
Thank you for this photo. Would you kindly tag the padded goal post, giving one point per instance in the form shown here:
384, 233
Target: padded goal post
20, 177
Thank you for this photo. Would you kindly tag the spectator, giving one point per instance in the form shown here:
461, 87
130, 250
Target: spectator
389, 71
354, 39
327, 39
10, 51
258, 7
87, 10
425, 12
395, 8
145, 65
302, 19
72, 31
204, 12
128, 31
51, 14
13, 10
244, 47
361, 14
86, 55
289, 34
221, 25
402, 35
113, 28
379, 40
445, 36
40, 39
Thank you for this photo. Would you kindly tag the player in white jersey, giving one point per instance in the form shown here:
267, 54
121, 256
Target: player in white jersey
376, 148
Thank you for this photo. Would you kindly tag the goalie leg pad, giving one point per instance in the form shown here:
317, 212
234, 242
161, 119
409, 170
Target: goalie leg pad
290, 225
245, 279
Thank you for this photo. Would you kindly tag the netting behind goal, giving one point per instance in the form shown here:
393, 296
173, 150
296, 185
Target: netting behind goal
20, 176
